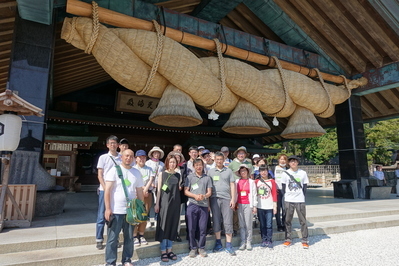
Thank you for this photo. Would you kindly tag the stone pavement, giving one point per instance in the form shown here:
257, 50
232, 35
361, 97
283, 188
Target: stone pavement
364, 247
68, 238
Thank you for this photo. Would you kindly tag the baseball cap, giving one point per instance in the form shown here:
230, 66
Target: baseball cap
141, 153
224, 149
124, 141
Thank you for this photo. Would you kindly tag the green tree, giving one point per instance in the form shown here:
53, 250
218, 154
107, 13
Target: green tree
381, 138
318, 150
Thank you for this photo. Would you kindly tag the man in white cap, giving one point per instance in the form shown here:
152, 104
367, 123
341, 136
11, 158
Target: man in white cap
227, 160
200, 149
255, 159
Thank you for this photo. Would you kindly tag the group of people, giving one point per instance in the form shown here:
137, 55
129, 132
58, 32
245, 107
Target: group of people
207, 186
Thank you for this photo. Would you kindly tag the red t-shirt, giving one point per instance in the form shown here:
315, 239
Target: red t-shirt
243, 191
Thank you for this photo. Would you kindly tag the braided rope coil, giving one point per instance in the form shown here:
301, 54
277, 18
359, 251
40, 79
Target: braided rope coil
141, 69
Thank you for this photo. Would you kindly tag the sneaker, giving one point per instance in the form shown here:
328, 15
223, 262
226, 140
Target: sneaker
100, 245
193, 253
202, 252
269, 245
264, 244
230, 251
305, 245
218, 247
280, 229
287, 243
143, 241
249, 246
137, 242
242, 247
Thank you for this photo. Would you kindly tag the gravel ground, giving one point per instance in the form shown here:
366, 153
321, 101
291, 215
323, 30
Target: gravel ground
367, 247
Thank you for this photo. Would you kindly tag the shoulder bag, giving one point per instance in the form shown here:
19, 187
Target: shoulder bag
135, 209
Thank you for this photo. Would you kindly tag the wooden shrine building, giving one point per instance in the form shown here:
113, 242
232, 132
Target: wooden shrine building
84, 102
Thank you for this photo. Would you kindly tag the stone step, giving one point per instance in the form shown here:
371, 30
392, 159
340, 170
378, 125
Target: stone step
71, 240
89, 255
88, 188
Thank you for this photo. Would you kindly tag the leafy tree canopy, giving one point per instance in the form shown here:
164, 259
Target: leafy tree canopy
382, 138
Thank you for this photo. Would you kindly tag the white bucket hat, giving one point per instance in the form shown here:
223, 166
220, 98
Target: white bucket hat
156, 148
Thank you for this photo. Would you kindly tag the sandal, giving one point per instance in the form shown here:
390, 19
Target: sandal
164, 257
172, 256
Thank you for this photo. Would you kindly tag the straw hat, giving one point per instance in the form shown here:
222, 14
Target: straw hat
242, 148
156, 148
243, 166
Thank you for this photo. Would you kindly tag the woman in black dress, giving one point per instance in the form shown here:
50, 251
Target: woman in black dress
168, 208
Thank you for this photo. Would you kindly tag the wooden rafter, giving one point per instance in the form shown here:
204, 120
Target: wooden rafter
347, 28
329, 33
312, 32
378, 34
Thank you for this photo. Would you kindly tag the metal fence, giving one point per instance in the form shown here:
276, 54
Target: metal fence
316, 170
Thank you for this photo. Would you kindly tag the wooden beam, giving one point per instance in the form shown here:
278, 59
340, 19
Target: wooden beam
179, 4
314, 35
243, 24
9, 4
352, 34
372, 27
120, 20
391, 98
257, 23
367, 107
383, 78
330, 34
373, 99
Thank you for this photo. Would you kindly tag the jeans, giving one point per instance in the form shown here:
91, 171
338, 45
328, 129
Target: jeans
100, 223
111, 250
280, 215
300, 208
166, 244
266, 224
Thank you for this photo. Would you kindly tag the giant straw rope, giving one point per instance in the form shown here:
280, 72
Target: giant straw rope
147, 62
